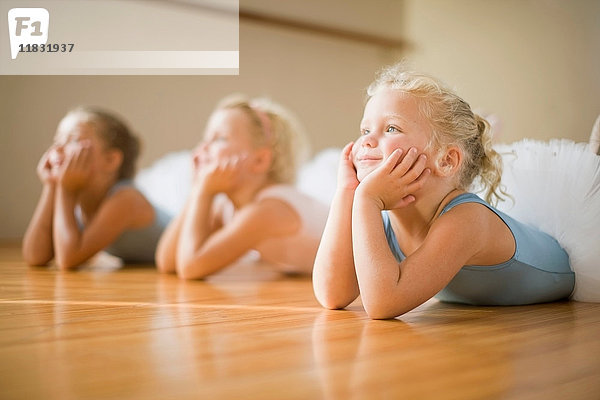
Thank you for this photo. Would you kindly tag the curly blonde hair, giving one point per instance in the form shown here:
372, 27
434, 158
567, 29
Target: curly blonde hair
282, 133
452, 123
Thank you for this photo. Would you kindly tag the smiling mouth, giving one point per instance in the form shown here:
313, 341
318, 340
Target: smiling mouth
368, 159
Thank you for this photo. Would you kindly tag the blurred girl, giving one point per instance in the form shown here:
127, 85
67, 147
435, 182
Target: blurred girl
242, 198
88, 203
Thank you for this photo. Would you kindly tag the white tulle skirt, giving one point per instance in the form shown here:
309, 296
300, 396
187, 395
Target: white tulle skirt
167, 182
555, 187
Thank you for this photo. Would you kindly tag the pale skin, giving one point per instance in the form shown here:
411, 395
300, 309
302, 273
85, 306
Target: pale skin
391, 168
198, 242
78, 170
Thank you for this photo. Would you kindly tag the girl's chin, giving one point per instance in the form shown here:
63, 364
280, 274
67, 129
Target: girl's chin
362, 173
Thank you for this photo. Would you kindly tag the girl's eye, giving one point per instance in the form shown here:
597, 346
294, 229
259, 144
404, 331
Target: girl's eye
392, 129
364, 132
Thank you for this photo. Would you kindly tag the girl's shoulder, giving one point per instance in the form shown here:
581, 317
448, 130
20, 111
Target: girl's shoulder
125, 190
126, 197
469, 223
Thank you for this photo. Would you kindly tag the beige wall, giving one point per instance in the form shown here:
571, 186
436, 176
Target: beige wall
321, 79
532, 62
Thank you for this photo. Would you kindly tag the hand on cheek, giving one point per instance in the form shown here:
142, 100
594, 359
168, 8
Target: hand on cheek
393, 184
222, 175
76, 169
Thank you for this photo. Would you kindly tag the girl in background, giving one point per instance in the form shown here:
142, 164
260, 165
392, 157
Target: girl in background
242, 196
88, 202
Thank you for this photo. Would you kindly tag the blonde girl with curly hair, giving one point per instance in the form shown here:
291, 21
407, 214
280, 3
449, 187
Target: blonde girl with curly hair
403, 226
243, 197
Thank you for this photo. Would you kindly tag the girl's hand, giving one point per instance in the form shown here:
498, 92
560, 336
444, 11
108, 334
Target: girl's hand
45, 170
220, 176
392, 184
346, 176
76, 170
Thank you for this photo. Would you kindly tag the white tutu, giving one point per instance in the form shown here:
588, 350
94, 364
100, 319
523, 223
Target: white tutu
318, 177
555, 187
167, 182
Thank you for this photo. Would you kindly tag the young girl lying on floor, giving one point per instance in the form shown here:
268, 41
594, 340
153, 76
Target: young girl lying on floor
88, 203
242, 198
403, 227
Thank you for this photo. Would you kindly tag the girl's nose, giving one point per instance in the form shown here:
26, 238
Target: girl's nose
369, 140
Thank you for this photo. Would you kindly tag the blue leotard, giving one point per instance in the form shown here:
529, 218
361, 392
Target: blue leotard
135, 245
538, 272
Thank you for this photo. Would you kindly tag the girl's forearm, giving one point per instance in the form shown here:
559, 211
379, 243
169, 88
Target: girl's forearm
66, 233
334, 277
377, 270
195, 230
37, 242
166, 250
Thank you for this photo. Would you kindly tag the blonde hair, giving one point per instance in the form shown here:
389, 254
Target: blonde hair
452, 123
276, 127
111, 130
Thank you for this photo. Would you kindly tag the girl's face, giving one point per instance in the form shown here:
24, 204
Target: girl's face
227, 136
68, 142
391, 121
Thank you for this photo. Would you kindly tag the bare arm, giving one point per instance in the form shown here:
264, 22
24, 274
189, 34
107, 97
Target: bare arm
334, 277
166, 250
192, 230
37, 242
202, 253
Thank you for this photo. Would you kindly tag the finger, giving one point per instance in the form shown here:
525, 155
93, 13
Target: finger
407, 162
195, 161
404, 201
390, 163
417, 168
67, 164
347, 151
418, 183
83, 157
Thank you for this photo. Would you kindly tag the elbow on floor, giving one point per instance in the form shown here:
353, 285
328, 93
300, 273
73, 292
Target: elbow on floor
332, 303
65, 264
189, 271
164, 267
35, 261
383, 311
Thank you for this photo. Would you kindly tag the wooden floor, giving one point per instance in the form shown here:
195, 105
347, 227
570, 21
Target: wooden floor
250, 333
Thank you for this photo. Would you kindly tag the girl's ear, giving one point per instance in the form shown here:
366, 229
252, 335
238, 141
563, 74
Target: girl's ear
449, 161
261, 160
114, 159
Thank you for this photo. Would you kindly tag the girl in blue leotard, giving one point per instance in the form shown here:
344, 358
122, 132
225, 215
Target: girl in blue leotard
88, 202
420, 149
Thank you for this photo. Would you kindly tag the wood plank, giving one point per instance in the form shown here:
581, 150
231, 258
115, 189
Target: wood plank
253, 333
